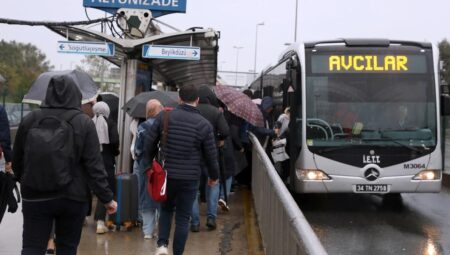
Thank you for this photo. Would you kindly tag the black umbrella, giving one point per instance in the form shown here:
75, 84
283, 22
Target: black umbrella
136, 106
38, 89
112, 99
173, 95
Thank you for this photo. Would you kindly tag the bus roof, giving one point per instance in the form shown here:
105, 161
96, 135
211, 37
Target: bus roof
353, 42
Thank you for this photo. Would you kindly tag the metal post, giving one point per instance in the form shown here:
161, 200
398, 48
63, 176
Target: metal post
296, 14
4, 93
237, 61
127, 91
256, 47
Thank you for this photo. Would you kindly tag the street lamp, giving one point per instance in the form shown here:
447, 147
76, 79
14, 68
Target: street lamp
256, 47
221, 65
237, 59
296, 12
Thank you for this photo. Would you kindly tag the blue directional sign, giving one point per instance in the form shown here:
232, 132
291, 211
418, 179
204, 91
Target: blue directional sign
171, 52
159, 6
86, 48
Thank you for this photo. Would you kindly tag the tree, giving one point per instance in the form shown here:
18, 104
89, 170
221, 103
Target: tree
97, 68
20, 64
444, 55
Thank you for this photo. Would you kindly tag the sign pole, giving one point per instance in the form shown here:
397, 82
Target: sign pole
127, 91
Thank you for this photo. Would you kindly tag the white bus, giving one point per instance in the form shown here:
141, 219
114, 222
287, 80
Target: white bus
365, 115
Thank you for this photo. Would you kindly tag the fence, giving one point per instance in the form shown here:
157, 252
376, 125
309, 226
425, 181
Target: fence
283, 226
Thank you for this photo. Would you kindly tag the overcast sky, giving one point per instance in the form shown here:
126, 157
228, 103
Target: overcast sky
236, 19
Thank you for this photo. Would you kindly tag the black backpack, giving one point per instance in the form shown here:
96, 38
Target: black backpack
49, 152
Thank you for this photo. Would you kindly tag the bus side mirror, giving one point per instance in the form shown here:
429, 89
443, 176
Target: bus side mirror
445, 105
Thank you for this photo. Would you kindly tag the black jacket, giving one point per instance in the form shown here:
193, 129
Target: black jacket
216, 119
190, 141
7, 198
62, 95
111, 150
5, 138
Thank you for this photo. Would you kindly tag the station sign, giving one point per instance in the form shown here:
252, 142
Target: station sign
86, 48
171, 52
161, 6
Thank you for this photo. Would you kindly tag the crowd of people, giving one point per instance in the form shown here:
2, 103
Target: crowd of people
205, 149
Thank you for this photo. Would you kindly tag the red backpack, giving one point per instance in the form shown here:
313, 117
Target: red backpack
157, 175
157, 181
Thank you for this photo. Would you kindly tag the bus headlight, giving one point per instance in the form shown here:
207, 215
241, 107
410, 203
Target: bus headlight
311, 175
428, 175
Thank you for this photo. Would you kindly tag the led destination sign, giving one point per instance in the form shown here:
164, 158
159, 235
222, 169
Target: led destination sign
366, 63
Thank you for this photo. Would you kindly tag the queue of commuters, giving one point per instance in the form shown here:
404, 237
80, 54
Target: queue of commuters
203, 143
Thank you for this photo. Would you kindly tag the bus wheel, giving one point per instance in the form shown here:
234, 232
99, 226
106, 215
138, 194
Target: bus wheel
393, 201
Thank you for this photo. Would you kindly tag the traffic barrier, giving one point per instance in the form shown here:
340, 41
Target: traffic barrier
284, 228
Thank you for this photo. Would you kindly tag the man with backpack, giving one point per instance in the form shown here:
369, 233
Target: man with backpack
189, 141
57, 159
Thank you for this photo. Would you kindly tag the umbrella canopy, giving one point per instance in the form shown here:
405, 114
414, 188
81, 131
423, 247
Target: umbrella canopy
173, 95
135, 107
38, 90
112, 99
240, 105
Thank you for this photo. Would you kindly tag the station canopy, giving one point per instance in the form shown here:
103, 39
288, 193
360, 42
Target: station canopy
168, 71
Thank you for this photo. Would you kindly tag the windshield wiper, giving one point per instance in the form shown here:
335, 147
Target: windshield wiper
339, 147
390, 139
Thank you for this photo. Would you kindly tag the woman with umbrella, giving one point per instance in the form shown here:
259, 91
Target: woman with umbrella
256, 120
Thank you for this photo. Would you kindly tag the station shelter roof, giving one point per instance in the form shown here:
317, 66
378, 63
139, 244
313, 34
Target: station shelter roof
168, 71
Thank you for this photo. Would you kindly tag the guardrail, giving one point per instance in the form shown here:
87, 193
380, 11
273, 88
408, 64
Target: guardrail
284, 228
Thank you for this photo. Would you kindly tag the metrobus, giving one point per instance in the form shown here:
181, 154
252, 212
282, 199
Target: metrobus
364, 115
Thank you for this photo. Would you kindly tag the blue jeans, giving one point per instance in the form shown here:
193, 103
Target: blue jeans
227, 188
212, 198
148, 208
149, 219
38, 217
180, 197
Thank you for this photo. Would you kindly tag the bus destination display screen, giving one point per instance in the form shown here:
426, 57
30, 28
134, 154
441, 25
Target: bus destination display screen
368, 63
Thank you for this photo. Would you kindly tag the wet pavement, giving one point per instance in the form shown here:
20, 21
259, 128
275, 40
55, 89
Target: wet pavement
370, 224
230, 238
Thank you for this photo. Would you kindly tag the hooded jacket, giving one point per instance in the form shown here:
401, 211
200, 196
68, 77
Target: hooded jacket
88, 170
208, 107
266, 131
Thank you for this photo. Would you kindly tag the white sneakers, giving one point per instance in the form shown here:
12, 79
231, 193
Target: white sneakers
101, 227
162, 250
223, 205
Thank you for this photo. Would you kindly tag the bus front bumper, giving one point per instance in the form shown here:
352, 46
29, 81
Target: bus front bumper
347, 184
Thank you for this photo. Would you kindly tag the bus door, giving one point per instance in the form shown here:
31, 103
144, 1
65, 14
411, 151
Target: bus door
293, 92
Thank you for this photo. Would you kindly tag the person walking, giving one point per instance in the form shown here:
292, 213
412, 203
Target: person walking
208, 107
190, 141
56, 180
109, 146
5, 140
148, 208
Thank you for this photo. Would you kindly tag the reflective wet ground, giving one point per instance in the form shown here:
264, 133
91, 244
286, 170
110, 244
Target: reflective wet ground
371, 224
229, 238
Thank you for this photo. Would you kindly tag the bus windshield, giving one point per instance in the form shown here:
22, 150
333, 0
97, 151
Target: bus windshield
376, 97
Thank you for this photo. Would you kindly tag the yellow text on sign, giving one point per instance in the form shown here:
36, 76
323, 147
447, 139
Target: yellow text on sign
368, 63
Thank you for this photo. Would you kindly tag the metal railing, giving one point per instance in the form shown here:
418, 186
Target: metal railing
284, 228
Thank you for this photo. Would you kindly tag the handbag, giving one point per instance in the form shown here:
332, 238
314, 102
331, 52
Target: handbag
157, 175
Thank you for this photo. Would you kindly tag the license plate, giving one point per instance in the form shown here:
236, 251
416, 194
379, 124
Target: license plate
371, 188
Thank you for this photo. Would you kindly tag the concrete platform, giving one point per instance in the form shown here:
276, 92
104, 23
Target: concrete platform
236, 233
